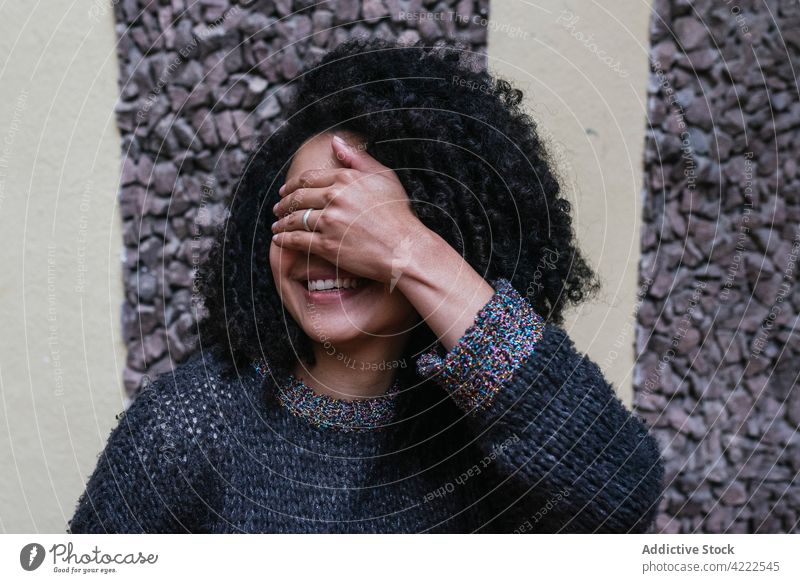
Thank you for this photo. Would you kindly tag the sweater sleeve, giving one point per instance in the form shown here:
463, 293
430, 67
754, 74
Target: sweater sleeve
546, 418
143, 480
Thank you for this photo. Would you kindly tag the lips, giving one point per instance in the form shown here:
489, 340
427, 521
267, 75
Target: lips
331, 284
324, 273
334, 295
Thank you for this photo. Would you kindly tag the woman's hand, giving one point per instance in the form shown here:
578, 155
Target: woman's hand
361, 217
363, 222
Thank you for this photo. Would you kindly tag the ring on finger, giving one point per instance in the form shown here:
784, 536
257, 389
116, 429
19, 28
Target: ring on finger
305, 220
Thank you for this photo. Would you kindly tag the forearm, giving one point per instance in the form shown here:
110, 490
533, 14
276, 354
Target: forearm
549, 418
444, 289
566, 432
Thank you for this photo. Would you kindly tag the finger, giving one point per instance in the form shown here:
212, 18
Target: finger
356, 157
309, 179
294, 222
297, 240
302, 198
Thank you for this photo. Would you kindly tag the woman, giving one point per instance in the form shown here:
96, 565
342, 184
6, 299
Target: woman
382, 351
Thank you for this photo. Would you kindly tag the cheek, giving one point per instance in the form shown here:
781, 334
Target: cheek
274, 254
281, 263
274, 262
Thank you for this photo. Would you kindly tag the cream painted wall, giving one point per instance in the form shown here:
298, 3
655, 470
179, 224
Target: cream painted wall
60, 289
584, 70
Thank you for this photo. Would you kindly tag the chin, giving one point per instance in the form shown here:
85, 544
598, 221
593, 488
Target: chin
339, 327
333, 342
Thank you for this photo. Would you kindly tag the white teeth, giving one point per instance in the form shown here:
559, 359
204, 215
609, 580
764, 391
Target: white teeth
326, 284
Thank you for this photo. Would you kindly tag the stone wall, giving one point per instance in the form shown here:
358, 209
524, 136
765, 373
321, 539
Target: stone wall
718, 352
199, 80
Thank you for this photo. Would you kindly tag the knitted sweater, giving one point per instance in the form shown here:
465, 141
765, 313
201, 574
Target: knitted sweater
512, 430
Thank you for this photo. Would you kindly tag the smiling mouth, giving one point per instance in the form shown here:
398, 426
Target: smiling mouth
335, 285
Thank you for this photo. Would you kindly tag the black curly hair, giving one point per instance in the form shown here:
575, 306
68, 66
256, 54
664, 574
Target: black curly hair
470, 159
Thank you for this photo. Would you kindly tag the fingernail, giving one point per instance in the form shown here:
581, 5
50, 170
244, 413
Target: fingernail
275, 208
281, 189
340, 140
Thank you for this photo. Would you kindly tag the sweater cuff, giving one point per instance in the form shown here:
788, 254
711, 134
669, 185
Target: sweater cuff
501, 338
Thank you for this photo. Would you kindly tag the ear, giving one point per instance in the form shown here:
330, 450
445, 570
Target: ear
354, 157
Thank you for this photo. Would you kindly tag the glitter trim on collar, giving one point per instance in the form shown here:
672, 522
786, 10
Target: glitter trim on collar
326, 412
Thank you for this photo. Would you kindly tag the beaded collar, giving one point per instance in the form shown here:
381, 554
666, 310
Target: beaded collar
326, 412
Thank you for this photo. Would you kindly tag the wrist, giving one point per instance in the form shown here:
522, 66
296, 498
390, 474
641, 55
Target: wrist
485, 358
415, 260
434, 266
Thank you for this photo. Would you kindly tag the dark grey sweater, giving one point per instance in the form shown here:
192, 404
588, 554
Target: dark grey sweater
512, 430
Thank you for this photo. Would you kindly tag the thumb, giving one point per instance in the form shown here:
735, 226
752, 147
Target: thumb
354, 157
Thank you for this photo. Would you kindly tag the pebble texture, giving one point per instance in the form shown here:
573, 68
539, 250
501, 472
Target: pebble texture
554, 451
718, 348
199, 80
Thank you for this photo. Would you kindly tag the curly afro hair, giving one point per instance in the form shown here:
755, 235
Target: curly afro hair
470, 159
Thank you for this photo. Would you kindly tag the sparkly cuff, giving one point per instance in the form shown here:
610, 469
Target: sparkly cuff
501, 338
